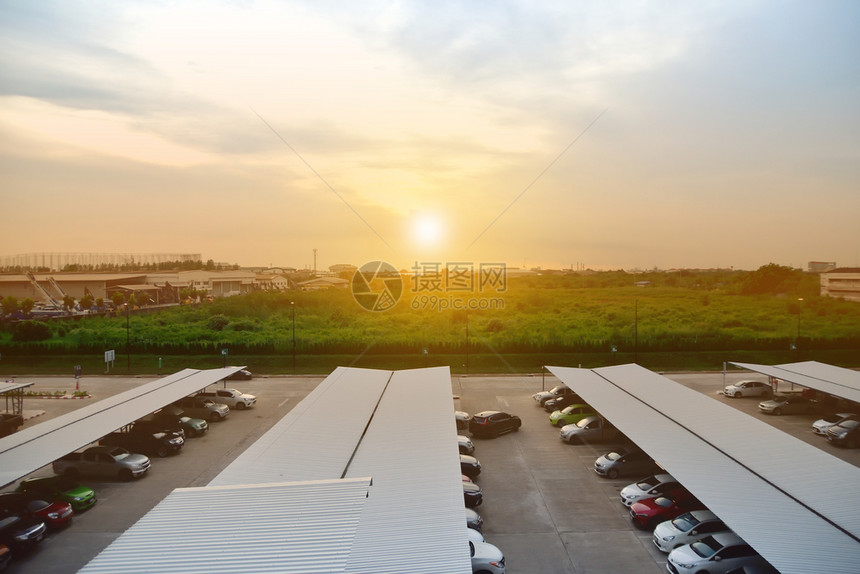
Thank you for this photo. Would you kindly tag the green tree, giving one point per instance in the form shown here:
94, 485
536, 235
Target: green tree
68, 302
27, 305
86, 302
772, 278
9, 304
31, 331
118, 298
100, 302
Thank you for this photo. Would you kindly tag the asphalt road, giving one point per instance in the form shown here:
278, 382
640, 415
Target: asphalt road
544, 505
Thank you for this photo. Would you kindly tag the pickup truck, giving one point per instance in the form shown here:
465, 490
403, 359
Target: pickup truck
204, 408
9, 423
230, 397
107, 461
153, 443
590, 429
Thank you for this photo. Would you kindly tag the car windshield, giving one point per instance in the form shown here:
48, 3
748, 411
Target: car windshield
706, 547
648, 483
613, 456
685, 522
663, 501
832, 418
849, 424
568, 410
583, 423
555, 390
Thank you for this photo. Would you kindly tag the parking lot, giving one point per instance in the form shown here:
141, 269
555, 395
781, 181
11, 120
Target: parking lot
543, 504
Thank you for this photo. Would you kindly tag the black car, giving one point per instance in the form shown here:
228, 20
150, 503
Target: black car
21, 533
493, 423
469, 466
845, 433
156, 444
472, 494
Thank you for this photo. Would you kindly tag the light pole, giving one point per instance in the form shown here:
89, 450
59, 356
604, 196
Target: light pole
467, 342
636, 331
127, 347
797, 336
293, 313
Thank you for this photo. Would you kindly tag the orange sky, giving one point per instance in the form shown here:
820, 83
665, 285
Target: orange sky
255, 132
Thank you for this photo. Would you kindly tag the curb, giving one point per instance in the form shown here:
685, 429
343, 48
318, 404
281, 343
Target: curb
33, 415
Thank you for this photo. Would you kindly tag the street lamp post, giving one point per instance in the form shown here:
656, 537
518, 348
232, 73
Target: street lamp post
467, 342
127, 346
293, 313
797, 336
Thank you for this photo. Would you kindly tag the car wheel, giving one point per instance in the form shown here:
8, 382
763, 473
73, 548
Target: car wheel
613, 473
777, 411
240, 406
125, 474
214, 417
162, 451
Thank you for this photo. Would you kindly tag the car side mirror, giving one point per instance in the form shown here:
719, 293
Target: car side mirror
717, 558
694, 532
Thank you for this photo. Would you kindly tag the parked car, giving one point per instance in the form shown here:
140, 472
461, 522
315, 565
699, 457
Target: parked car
716, 553
241, 375
845, 433
171, 418
231, 397
590, 429
474, 535
821, 425
787, 405
687, 528
156, 444
559, 403
472, 494
493, 423
55, 514
649, 487
462, 419
465, 444
20, 533
647, 514
570, 415
474, 520
60, 488
203, 408
624, 462
470, 466
748, 389
5, 556
486, 558
9, 423
763, 568
554, 393
104, 461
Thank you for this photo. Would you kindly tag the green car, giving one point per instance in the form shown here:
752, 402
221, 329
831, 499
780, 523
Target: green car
571, 415
60, 488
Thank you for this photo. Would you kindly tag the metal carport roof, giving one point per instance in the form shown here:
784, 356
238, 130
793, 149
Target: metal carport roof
794, 503
32, 448
836, 381
357, 423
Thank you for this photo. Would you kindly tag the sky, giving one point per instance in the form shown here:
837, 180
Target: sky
601, 135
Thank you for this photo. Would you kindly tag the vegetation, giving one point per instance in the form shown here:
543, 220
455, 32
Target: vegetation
675, 320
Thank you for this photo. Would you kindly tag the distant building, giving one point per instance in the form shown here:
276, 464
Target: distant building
320, 283
820, 266
843, 283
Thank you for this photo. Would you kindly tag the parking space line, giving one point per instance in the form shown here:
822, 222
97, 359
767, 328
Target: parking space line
283, 402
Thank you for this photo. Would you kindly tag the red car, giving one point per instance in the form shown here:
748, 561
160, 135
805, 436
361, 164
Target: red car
646, 514
55, 514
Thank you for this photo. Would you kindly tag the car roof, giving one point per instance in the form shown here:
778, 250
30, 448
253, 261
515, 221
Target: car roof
727, 538
487, 413
702, 515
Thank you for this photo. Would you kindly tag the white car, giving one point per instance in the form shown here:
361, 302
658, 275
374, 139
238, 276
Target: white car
715, 554
465, 444
486, 558
649, 487
821, 425
686, 529
474, 536
462, 419
748, 389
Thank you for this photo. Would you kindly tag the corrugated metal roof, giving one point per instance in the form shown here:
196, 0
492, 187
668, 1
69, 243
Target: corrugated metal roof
415, 517
357, 423
317, 437
32, 448
794, 503
10, 386
282, 528
830, 379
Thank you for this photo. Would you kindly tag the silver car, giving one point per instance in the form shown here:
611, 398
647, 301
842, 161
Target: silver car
748, 389
625, 462
486, 558
821, 425
686, 529
649, 487
465, 445
715, 553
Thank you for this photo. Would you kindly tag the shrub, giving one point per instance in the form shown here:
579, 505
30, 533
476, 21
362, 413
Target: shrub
31, 331
217, 322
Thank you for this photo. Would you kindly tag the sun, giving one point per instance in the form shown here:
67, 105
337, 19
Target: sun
427, 229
